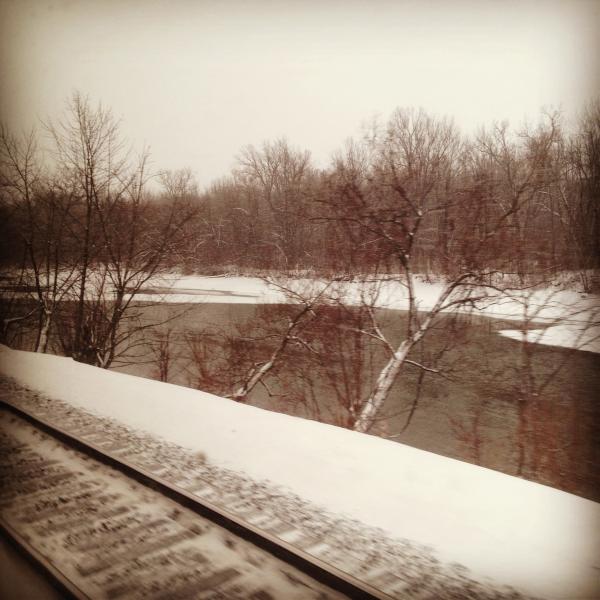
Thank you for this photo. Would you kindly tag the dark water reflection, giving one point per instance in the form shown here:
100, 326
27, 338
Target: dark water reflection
472, 413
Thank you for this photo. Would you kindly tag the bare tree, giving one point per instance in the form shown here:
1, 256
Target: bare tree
163, 354
394, 200
14, 315
539, 432
43, 213
91, 157
305, 304
279, 173
578, 204
125, 238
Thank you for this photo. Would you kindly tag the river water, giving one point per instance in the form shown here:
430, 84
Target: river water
469, 413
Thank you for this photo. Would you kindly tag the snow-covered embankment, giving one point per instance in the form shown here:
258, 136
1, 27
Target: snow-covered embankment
538, 539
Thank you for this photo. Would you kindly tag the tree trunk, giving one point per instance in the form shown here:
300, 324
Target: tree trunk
42, 342
242, 392
522, 436
384, 383
85, 259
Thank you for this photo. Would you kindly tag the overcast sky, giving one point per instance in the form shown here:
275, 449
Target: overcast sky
197, 80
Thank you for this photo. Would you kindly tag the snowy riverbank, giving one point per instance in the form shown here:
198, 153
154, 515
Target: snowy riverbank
554, 316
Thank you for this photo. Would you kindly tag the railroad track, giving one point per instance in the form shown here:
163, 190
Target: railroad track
83, 516
112, 513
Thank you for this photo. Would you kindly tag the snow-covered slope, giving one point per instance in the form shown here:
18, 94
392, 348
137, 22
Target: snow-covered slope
541, 540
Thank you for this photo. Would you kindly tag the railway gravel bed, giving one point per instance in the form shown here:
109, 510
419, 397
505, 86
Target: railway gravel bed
399, 568
108, 537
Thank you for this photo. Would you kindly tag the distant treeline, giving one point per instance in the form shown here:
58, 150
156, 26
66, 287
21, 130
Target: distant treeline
276, 211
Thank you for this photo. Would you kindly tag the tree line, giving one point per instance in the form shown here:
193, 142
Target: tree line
520, 201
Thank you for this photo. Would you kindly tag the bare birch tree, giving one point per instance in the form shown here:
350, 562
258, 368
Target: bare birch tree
393, 201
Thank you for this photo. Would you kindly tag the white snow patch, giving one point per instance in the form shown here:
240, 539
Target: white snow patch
228, 289
541, 540
564, 335
572, 317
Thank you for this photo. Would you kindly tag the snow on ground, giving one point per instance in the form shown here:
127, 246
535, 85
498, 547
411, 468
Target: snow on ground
229, 289
543, 541
566, 335
570, 319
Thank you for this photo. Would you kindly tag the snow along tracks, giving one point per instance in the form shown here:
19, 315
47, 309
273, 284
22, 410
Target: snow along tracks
180, 555
100, 534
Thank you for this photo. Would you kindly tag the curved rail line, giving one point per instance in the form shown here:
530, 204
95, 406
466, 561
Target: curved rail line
304, 562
